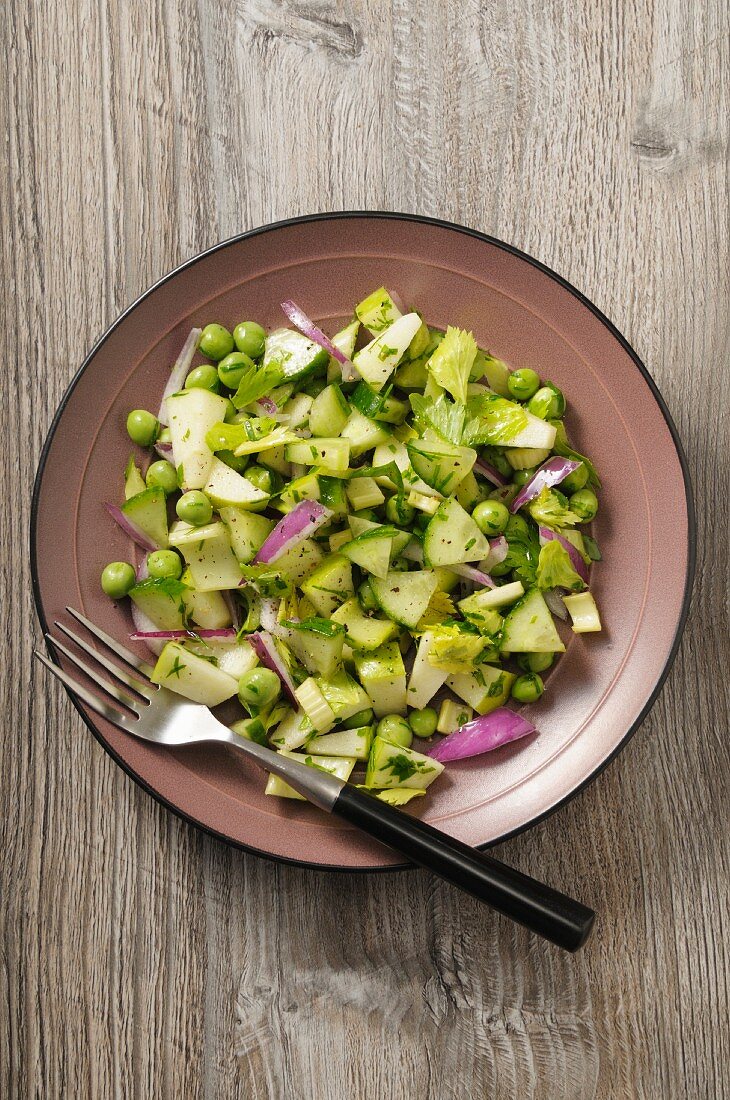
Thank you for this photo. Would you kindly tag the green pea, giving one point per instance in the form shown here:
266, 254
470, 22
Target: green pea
266, 480
559, 405
491, 517
162, 475
236, 462
216, 342
366, 596
117, 578
164, 563
398, 510
142, 427
396, 729
585, 504
259, 687
527, 688
194, 508
357, 721
250, 338
204, 377
575, 481
543, 403
521, 477
523, 384
232, 369
423, 722
536, 662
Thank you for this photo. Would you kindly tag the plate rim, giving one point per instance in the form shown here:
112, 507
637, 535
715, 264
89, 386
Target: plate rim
487, 238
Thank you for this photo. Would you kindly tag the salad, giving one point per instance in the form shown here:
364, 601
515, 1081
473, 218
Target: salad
365, 540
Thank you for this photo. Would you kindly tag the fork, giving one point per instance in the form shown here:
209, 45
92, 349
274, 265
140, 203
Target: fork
144, 709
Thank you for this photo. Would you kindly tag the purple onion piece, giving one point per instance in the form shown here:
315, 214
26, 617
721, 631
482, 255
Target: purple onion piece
490, 473
550, 474
297, 525
180, 370
489, 731
224, 634
299, 319
266, 651
130, 528
476, 576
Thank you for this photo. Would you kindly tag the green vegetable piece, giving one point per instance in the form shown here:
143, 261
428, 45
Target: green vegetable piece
133, 481
485, 689
544, 404
404, 597
194, 508
162, 475
527, 688
451, 363
192, 676
148, 511
529, 627
204, 377
215, 341
392, 765
423, 722
117, 579
396, 730
259, 688
142, 427
164, 563
523, 384
377, 311
536, 662
233, 368
491, 517
553, 509
584, 504
360, 719
250, 338
555, 569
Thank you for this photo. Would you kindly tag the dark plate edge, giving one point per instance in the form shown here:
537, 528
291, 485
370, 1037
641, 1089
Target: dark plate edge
423, 220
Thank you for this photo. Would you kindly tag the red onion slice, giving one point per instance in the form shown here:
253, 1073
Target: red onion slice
164, 450
297, 525
476, 576
130, 528
489, 731
490, 473
498, 550
179, 372
299, 319
265, 648
551, 473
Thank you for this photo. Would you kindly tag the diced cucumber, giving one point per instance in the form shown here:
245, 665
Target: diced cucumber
300, 562
494, 370
251, 729
332, 494
293, 731
412, 374
383, 676
207, 610
537, 433
371, 550
338, 539
404, 597
344, 695
275, 459
330, 584
133, 481
364, 434
339, 766
425, 679
377, 311
452, 537
391, 765
364, 633
227, 489
148, 510
235, 658
488, 599
303, 488
192, 676
443, 466
378, 359
421, 342
364, 492
583, 612
247, 531
354, 743
192, 413
329, 412
344, 341
332, 453
524, 458
529, 627
297, 410
394, 411
395, 451
162, 601
485, 689
294, 355
429, 505
317, 643
453, 715
209, 556
315, 706
468, 493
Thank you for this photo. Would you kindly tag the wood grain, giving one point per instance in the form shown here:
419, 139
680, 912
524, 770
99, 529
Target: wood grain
140, 958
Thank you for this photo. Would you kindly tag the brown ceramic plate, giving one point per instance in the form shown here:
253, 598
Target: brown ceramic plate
602, 687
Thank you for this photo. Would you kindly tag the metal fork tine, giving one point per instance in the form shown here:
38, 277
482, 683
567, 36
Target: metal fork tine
106, 710
121, 696
116, 647
142, 687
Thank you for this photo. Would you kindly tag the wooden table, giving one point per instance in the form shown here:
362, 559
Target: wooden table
141, 958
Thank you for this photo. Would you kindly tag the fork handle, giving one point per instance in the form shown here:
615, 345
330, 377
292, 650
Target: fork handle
547, 912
